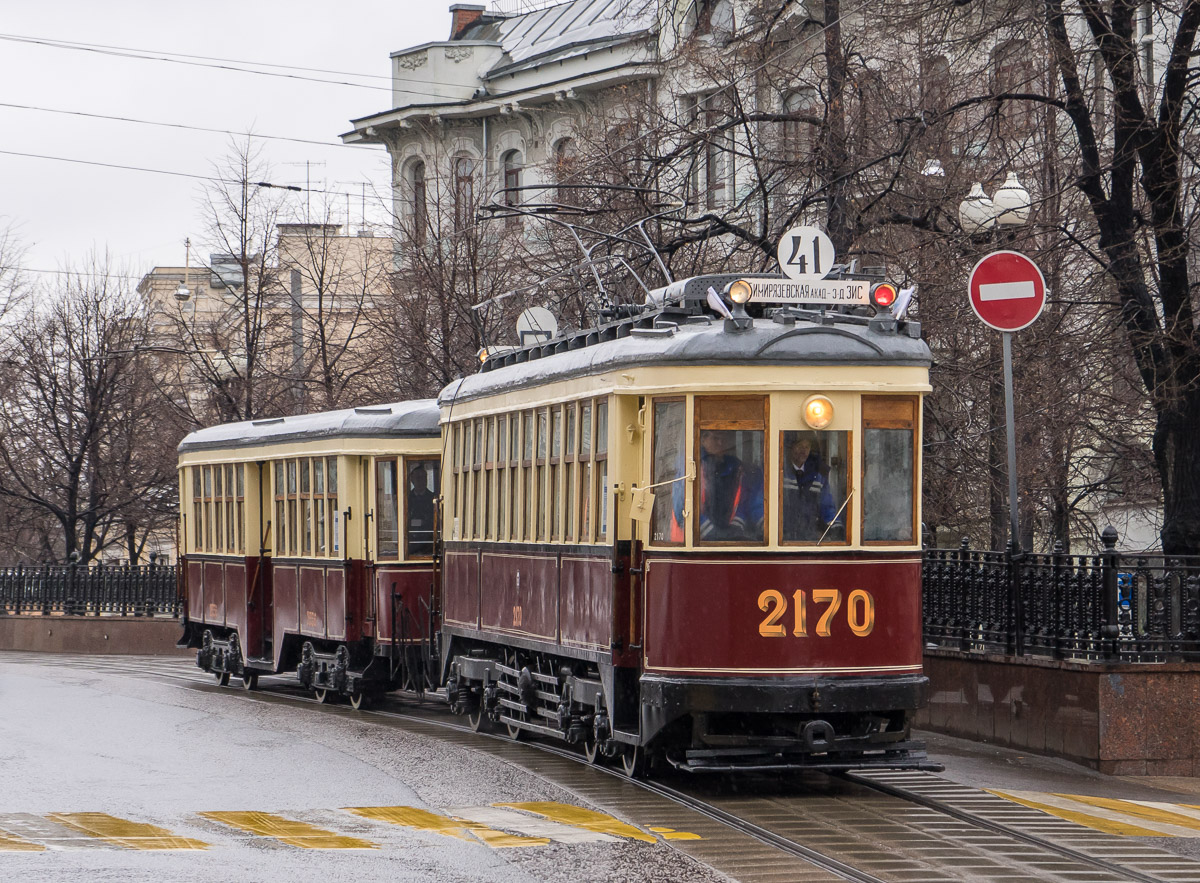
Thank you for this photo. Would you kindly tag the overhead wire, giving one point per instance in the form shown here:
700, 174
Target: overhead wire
120, 119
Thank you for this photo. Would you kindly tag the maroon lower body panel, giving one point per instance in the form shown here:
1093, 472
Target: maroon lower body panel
403, 598
734, 615
553, 596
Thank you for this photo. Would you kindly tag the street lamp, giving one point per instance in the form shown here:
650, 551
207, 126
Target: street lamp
1008, 209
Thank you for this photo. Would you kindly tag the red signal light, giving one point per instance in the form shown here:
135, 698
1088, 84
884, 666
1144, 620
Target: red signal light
883, 295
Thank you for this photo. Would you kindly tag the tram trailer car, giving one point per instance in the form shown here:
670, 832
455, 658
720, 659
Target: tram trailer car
676, 537
307, 546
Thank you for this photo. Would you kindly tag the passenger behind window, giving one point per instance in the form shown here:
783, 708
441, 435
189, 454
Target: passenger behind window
731, 493
810, 512
420, 513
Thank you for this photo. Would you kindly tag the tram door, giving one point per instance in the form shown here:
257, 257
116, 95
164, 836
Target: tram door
260, 614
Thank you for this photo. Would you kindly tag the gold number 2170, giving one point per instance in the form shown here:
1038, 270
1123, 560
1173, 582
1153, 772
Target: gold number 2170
860, 612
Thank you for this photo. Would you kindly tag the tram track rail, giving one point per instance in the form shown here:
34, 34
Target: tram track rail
1050, 860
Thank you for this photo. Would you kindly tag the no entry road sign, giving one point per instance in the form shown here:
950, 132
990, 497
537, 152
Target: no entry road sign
1007, 290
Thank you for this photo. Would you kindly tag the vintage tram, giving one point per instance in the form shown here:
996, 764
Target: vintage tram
690, 538
307, 545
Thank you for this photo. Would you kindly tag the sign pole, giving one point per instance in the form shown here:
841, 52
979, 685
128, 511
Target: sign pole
1014, 538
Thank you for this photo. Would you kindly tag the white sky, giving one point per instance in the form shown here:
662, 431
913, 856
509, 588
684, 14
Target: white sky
61, 211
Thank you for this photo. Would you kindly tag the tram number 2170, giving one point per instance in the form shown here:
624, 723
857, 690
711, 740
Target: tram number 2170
859, 612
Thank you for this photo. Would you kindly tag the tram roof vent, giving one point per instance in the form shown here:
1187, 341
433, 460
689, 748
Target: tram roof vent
372, 410
270, 421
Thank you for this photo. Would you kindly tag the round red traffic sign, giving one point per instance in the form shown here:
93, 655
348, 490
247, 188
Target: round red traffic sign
1007, 290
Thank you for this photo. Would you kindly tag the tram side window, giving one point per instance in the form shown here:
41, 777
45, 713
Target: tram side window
218, 497
387, 516
587, 474
280, 519
208, 533
889, 468
813, 467
570, 472
730, 455
320, 527
293, 512
602, 469
527, 470
418, 507
198, 508
306, 506
670, 451
331, 498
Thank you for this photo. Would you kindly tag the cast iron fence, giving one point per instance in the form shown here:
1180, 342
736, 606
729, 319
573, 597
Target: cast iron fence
99, 590
1112, 607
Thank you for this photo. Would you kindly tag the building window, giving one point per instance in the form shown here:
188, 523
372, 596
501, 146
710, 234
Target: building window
710, 172
565, 162
512, 164
1013, 73
464, 191
799, 135
420, 208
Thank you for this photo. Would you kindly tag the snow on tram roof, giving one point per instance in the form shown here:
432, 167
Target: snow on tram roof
767, 343
413, 419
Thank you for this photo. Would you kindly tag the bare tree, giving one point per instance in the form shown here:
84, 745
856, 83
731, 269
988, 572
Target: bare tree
80, 442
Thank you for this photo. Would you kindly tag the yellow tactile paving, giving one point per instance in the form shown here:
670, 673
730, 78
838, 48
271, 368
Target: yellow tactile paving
13, 843
424, 820
289, 831
1139, 809
122, 832
579, 817
672, 834
1089, 820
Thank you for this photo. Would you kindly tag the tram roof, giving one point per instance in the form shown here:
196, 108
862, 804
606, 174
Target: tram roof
413, 419
767, 343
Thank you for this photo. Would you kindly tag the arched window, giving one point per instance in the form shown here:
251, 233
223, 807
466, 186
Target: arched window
565, 158
464, 191
799, 136
513, 165
420, 209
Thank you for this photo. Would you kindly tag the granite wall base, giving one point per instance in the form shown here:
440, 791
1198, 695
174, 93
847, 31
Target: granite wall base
140, 635
1119, 719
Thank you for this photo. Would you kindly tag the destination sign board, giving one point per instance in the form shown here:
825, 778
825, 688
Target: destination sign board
850, 292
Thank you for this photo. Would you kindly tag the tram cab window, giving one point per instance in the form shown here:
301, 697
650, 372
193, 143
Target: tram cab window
730, 454
670, 450
386, 510
813, 488
889, 465
421, 491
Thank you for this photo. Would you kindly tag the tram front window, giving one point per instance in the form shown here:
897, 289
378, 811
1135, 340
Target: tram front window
422, 489
731, 485
813, 480
888, 485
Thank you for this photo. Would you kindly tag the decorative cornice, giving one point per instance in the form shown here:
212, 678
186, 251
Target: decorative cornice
457, 54
413, 61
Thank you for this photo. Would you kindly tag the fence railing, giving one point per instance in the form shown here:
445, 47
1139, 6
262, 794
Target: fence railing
1113, 607
99, 590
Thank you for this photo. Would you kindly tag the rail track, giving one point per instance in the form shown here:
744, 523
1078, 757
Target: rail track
871, 827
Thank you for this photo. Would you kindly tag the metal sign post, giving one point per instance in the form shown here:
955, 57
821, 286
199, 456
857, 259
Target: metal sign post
1008, 292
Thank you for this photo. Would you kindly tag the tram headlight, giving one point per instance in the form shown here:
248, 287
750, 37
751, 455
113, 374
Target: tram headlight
818, 411
740, 291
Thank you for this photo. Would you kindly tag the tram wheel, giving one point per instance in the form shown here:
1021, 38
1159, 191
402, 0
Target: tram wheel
633, 761
250, 681
358, 699
516, 733
479, 721
222, 678
591, 750
324, 695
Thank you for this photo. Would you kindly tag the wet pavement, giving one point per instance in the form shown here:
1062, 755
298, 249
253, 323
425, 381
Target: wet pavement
107, 773
119, 769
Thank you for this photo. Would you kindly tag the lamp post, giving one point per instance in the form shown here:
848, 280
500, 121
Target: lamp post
980, 217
